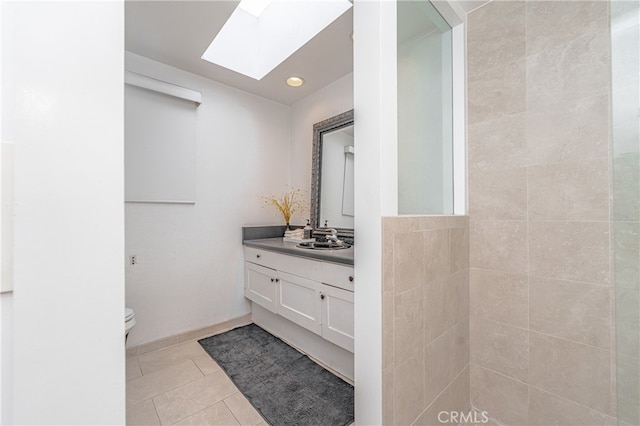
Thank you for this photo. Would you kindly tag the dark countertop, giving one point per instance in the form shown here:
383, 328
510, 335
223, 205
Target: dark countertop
344, 256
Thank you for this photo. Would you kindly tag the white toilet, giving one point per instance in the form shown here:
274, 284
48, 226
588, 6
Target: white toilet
129, 321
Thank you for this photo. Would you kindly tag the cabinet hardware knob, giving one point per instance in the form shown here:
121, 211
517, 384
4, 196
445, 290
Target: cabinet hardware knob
273, 279
322, 296
258, 256
277, 280
350, 278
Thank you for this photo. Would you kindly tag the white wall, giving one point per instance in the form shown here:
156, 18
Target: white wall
190, 262
376, 135
63, 107
331, 100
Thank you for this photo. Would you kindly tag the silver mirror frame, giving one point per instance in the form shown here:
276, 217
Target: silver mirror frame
336, 122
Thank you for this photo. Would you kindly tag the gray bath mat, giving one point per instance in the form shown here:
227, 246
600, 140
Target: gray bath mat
285, 386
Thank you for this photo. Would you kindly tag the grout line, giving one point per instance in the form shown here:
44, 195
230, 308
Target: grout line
479, 268
529, 330
565, 399
156, 411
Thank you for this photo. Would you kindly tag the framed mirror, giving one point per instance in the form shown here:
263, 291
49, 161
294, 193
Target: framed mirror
332, 182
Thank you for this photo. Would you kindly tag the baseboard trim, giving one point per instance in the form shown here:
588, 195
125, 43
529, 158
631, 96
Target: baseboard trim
194, 334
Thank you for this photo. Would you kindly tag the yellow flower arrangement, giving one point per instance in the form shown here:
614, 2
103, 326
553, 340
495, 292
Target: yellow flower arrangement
290, 202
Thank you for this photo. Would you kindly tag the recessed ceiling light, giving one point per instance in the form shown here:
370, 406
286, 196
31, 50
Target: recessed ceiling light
295, 81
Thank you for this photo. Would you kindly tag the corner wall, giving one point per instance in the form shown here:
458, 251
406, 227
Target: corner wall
542, 344
425, 318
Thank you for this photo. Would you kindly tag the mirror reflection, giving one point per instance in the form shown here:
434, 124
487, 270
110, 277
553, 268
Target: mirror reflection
332, 183
336, 205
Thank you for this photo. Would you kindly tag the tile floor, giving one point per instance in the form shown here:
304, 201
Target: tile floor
182, 385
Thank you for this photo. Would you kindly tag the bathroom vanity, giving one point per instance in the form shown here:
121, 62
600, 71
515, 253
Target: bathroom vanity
303, 296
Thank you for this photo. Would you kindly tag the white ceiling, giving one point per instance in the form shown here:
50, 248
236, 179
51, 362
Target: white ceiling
178, 32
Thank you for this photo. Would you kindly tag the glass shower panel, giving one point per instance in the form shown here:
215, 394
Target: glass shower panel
425, 116
625, 68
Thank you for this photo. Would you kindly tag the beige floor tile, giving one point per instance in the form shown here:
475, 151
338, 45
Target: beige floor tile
216, 415
187, 400
133, 369
243, 410
155, 383
143, 414
167, 357
206, 364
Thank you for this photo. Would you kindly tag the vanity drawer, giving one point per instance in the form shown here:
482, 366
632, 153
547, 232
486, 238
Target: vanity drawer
301, 267
338, 276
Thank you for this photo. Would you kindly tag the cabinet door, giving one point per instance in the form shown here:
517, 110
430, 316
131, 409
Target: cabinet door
299, 301
261, 286
337, 316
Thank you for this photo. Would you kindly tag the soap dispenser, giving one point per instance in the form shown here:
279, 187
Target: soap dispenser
308, 230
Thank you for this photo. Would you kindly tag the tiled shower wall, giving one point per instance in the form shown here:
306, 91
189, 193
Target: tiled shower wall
425, 318
541, 287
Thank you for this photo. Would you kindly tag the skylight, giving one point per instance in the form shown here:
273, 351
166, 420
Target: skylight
254, 7
260, 34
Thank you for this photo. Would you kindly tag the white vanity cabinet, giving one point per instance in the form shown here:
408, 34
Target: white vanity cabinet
313, 294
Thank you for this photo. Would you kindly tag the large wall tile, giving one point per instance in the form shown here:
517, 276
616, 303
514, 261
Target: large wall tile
460, 350
436, 254
498, 245
409, 390
546, 409
455, 222
496, 36
437, 366
575, 251
571, 370
552, 23
388, 301
498, 143
575, 131
501, 397
438, 304
392, 225
540, 183
565, 73
459, 307
459, 248
408, 325
460, 391
498, 194
388, 390
500, 347
428, 223
499, 296
570, 310
497, 93
570, 191
425, 320
430, 416
408, 270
